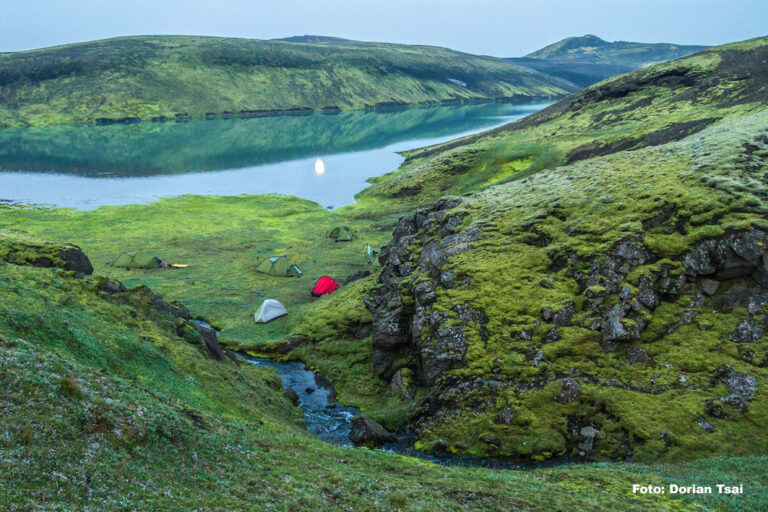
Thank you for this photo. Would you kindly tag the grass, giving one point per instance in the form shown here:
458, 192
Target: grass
250, 450
159, 77
105, 407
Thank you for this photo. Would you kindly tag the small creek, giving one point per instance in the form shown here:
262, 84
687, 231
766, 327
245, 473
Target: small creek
331, 421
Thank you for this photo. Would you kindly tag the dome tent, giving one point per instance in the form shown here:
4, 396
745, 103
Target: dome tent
341, 234
324, 286
137, 259
269, 310
279, 266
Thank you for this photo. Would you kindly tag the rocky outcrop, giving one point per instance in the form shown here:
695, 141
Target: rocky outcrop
407, 331
617, 298
20, 250
366, 432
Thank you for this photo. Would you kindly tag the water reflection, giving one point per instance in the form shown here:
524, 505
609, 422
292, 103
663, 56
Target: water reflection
88, 166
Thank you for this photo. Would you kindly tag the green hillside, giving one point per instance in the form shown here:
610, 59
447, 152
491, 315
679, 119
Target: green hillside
177, 77
587, 284
589, 59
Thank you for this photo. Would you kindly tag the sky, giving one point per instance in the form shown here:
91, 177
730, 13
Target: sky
503, 28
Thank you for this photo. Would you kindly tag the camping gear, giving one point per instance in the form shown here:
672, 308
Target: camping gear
324, 286
341, 234
279, 266
137, 259
370, 253
269, 310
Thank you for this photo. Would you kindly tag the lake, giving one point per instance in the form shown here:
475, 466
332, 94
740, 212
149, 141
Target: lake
323, 158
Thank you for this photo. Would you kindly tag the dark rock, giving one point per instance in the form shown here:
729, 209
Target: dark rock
626, 293
635, 355
505, 416
569, 390
492, 440
547, 314
564, 314
390, 330
211, 341
357, 275
545, 283
551, 336
309, 390
706, 426
709, 286
645, 293
735, 401
445, 353
738, 383
747, 331
367, 432
109, 286
615, 329
446, 279
75, 260
292, 395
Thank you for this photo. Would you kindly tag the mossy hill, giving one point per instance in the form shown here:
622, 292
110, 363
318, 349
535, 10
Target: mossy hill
589, 280
113, 400
607, 296
588, 59
176, 77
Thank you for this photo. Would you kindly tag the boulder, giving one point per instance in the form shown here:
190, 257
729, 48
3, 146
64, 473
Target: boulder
747, 331
292, 395
366, 432
564, 314
709, 286
740, 384
615, 328
635, 355
569, 390
211, 341
491, 440
505, 416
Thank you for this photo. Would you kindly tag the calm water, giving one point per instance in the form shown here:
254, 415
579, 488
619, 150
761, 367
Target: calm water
85, 167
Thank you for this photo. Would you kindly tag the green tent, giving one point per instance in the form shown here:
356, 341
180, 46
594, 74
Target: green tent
279, 266
341, 234
137, 259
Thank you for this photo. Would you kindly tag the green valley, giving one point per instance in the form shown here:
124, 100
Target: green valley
584, 291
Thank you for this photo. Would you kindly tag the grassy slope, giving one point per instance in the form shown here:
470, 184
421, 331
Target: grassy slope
155, 76
106, 408
184, 227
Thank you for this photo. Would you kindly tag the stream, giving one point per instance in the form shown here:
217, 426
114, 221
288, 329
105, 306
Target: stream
331, 421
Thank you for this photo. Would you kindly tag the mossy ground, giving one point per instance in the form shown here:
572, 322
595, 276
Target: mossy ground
582, 209
106, 408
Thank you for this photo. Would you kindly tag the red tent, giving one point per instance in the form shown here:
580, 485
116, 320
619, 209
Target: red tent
324, 286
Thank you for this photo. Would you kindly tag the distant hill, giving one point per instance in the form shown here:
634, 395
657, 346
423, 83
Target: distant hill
589, 59
178, 77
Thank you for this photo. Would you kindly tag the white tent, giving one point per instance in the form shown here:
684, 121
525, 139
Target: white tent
269, 310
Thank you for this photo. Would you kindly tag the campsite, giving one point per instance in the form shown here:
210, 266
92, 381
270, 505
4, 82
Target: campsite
490, 264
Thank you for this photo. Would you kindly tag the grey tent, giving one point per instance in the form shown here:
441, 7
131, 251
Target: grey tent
269, 310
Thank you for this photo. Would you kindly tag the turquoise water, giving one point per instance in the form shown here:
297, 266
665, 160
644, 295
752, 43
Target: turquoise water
85, 167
